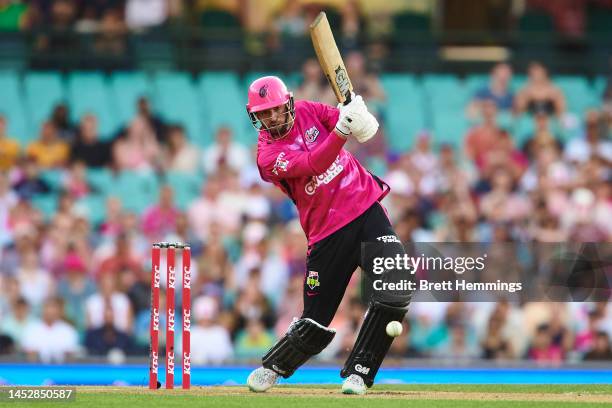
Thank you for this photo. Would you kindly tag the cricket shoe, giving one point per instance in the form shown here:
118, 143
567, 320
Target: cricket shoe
354, 384
261, 379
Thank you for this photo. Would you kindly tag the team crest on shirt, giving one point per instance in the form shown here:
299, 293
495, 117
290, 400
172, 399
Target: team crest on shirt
280, 164
311, 134
312, 281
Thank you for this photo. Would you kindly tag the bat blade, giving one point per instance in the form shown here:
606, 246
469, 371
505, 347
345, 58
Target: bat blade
330, 58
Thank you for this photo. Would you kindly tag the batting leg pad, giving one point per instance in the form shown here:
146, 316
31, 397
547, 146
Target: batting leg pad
372, 342
304, 339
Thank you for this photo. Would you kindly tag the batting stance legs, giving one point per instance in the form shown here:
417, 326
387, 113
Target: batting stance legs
330, 265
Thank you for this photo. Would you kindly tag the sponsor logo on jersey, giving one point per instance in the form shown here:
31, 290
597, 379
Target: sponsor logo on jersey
280, 164
311, 134
362, 369
388, 238
312, 281
336, 168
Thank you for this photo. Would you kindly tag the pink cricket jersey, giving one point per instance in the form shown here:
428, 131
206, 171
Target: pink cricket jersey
327, 184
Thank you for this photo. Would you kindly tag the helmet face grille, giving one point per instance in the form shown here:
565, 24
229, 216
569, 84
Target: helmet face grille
275, 132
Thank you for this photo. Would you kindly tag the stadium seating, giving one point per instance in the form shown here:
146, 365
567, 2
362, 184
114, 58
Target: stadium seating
223, 104
11, 106
88, 92
126, 88
216, 98
177, 101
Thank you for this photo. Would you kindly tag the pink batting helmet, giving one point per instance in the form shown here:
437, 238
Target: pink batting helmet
265, 93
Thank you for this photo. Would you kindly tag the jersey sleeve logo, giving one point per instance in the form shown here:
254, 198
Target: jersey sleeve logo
280, 164
311, 134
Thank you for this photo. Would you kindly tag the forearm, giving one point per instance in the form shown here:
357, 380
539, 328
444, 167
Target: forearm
324, 155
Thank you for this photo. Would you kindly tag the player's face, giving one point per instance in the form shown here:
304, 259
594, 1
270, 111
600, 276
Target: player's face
276, 120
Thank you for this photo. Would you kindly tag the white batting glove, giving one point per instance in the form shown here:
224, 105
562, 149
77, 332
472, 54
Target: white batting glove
344, 124
355, 119
364, 126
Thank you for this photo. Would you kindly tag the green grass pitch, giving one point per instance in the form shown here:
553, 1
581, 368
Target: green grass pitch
312, 396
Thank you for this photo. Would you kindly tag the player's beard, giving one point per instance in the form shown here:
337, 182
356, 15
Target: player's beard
280, 131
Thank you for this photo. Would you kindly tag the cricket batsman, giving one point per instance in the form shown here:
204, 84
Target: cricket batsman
301, 150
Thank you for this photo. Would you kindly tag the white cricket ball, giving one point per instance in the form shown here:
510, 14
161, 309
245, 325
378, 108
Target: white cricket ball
394, 328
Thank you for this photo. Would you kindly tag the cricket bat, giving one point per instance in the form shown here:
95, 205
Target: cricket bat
330, 58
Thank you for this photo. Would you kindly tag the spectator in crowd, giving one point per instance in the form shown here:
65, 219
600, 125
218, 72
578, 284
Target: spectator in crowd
542, 348
122, 258
539, 95
180, 155
8, 200
15, 324
111, 226
145, 112
137, 149
290, 25
111, 39
75, 287
498, 90
210, 341
49, 151
51, 339
56, 35
365, 83
494, 345
87, 147
108, 296
314, 86
34, 281
9, 148
13, 15
542, 137
253, 341
160, 219
75, 180
503, 203
107, 338
143, 14
60, 117
257, 256
211, 207
601, 351
352, 24
482, 138
214, 262
225, 153
592, 144
29, 183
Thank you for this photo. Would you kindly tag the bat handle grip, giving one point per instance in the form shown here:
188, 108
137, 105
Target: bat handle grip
348, 98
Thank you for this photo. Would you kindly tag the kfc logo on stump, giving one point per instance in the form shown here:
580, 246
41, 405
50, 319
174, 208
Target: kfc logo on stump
155, 319
170, 359
186, 363
171, 320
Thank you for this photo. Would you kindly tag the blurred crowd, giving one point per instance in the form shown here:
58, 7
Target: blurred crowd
72, 288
